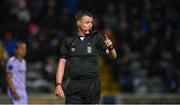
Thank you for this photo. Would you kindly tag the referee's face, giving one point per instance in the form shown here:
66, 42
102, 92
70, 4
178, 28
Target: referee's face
85, 24
21, 50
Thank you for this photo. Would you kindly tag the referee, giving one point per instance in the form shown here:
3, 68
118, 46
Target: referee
81, 53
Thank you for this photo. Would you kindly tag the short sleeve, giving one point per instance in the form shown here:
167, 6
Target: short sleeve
100, 42
64, 49
9, 67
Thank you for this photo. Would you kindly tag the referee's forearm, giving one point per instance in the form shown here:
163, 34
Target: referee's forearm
60, 70
113, 53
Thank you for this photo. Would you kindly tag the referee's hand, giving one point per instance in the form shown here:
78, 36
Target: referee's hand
59, 91
108, 42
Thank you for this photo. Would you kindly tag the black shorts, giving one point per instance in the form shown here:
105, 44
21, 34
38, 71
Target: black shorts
83, 91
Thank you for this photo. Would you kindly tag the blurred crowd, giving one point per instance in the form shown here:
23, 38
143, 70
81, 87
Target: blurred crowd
146, 35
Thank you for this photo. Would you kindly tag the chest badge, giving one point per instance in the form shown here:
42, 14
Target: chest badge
73, 48
89, 48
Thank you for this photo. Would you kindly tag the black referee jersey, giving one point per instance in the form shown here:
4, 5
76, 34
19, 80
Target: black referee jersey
82, 55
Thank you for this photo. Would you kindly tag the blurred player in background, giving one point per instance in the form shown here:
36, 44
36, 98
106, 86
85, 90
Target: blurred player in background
16, 75
81, 53
3, 58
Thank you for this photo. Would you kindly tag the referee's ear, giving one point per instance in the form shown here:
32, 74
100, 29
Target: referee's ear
78, 23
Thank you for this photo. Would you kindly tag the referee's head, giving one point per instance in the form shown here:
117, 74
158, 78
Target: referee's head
80, 14
84, 22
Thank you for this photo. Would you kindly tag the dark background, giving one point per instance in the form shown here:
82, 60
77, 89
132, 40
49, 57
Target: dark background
146, 35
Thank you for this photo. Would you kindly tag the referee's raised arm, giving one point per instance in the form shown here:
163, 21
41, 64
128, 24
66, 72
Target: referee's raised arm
110, 49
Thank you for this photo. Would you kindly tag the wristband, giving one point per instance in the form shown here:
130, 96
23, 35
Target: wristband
58, 84
110, 47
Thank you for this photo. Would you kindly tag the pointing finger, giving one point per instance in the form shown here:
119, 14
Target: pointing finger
106, 37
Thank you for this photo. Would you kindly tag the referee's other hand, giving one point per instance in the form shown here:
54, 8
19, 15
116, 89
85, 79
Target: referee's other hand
59, 91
